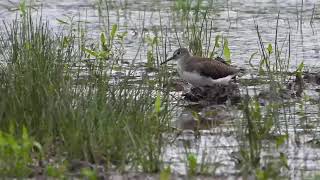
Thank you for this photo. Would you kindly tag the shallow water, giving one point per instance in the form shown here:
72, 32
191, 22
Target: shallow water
235, 20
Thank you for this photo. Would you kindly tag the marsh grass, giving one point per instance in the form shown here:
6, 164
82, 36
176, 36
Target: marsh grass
199, 36
111, 124
267, 124
259, 123
187, 7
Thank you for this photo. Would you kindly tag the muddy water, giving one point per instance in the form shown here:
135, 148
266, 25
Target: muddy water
234, 19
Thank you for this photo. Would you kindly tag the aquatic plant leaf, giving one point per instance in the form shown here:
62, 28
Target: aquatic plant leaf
38, 146
192, 162
103, 39
216, 41
22, 8
114, 31
226, 51
299, 69
157, 104
269, 48
91, 52
284, 160
280, 140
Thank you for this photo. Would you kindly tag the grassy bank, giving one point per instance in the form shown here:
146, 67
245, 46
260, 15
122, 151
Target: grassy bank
113, 123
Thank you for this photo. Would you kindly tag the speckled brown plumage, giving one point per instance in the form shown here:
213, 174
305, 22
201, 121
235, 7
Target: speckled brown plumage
209, 67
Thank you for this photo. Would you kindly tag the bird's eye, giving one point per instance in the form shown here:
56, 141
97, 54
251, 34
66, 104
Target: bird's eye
178, 52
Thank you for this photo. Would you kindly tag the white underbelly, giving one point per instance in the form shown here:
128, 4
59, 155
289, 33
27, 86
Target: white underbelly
196, 80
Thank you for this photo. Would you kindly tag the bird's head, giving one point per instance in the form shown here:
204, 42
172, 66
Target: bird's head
179, 54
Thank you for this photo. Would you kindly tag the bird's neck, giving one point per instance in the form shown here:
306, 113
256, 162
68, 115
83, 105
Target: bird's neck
181, 64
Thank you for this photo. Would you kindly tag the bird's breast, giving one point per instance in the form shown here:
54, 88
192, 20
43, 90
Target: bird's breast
198, 80
180, 67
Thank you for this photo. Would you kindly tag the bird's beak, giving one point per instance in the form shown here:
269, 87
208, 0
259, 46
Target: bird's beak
167, 60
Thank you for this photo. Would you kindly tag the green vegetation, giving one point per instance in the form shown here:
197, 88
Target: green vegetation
15, 153
192, 164
261, 123
96, 118
259, 128
165, 174
199, 31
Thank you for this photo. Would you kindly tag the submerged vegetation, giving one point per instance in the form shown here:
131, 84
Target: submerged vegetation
73, 105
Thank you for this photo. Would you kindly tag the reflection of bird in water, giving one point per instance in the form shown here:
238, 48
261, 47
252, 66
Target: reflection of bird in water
207, 118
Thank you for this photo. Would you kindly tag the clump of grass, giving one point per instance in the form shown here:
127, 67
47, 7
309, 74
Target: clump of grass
191, 6
201, 40
258, 129
262, 123
101, 120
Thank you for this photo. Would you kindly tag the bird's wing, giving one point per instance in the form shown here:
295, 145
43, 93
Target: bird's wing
211, 68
